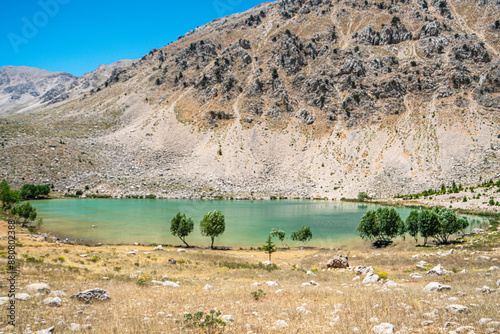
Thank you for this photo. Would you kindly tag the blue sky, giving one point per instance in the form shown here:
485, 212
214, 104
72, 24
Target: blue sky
76, 36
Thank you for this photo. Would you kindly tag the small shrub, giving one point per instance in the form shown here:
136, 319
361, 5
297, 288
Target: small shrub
61, 258
258, 294
207, 322
383, 274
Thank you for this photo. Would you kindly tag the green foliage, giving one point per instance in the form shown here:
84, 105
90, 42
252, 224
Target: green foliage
181, 226
380, 226
208, 323
449, 224
362, 196
24, 210
395, 20
269, 246
31, 191
258, 294
280, 234
428, 224
212, 225
412, 224
79, 193
8, 197
303, 235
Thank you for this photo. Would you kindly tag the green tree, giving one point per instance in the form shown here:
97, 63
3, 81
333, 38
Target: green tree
280, 234
412, 224
362, 196
24, 210
380, 226
31, 191
8, 196
368, 227
303, 235
269, 246
212, 225
448, 224
390, 223
181, 226
428, 224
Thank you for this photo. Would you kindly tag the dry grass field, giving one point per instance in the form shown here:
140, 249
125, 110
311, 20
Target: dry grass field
224, 281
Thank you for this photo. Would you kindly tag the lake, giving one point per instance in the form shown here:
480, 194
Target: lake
247, 222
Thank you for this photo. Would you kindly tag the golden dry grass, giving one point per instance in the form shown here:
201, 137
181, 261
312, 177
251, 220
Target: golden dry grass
337, 305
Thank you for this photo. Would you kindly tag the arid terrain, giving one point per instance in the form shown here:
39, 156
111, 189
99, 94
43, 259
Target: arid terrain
383, 290
292, 98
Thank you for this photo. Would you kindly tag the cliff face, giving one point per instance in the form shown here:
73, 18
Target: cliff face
291, 98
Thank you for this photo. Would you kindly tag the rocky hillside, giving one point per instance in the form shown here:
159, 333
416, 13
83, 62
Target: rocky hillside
24, 88
294, 98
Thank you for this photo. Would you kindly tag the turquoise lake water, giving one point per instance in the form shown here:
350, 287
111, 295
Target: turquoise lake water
247, 222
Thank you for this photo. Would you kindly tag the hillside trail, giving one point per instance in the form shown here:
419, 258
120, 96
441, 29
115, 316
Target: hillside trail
463, 24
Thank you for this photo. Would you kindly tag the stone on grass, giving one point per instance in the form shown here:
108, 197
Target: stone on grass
159, 247
267, 263
371, 278
46, 330
338, 261
457, 308
484, 321
494, 324
170, 284
37, 287
309, 273
4, 300
421, 264
464, 329
257, 284
52, 301
281, 323
272, 283
172, 261
435, 286
485, 289
438, 270
416, 275
311, 283
22, 296
181, 250
208, 287
91, 295
383, 328
392, 284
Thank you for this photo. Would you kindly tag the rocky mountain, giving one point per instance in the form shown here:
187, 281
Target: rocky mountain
25, 88
293, 98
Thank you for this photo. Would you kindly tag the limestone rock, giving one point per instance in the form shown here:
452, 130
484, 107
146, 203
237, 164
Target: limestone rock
435, 286
52, 301
91, 295
383, 328
457, 308
438, 270
371, 278
37, 287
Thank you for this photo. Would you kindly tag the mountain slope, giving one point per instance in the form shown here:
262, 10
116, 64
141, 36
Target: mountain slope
291, 98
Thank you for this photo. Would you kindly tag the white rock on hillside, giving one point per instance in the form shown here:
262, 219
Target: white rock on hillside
22, 296
281, 323
227, 318
456, 308
272, 283
438, 270
485, 289
392, 284
383, 328
208, 287
435, 286
371, 278
159, 247
36, 287
311, 283
52, 301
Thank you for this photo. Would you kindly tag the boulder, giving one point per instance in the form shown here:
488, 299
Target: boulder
37, 287
281, 323
52, 301
91, 295
456, 308
371, 278
46, 330
438, 270
272, 283
159, 247
383, 328
392, 284
22, 296
435, 286
338, 261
